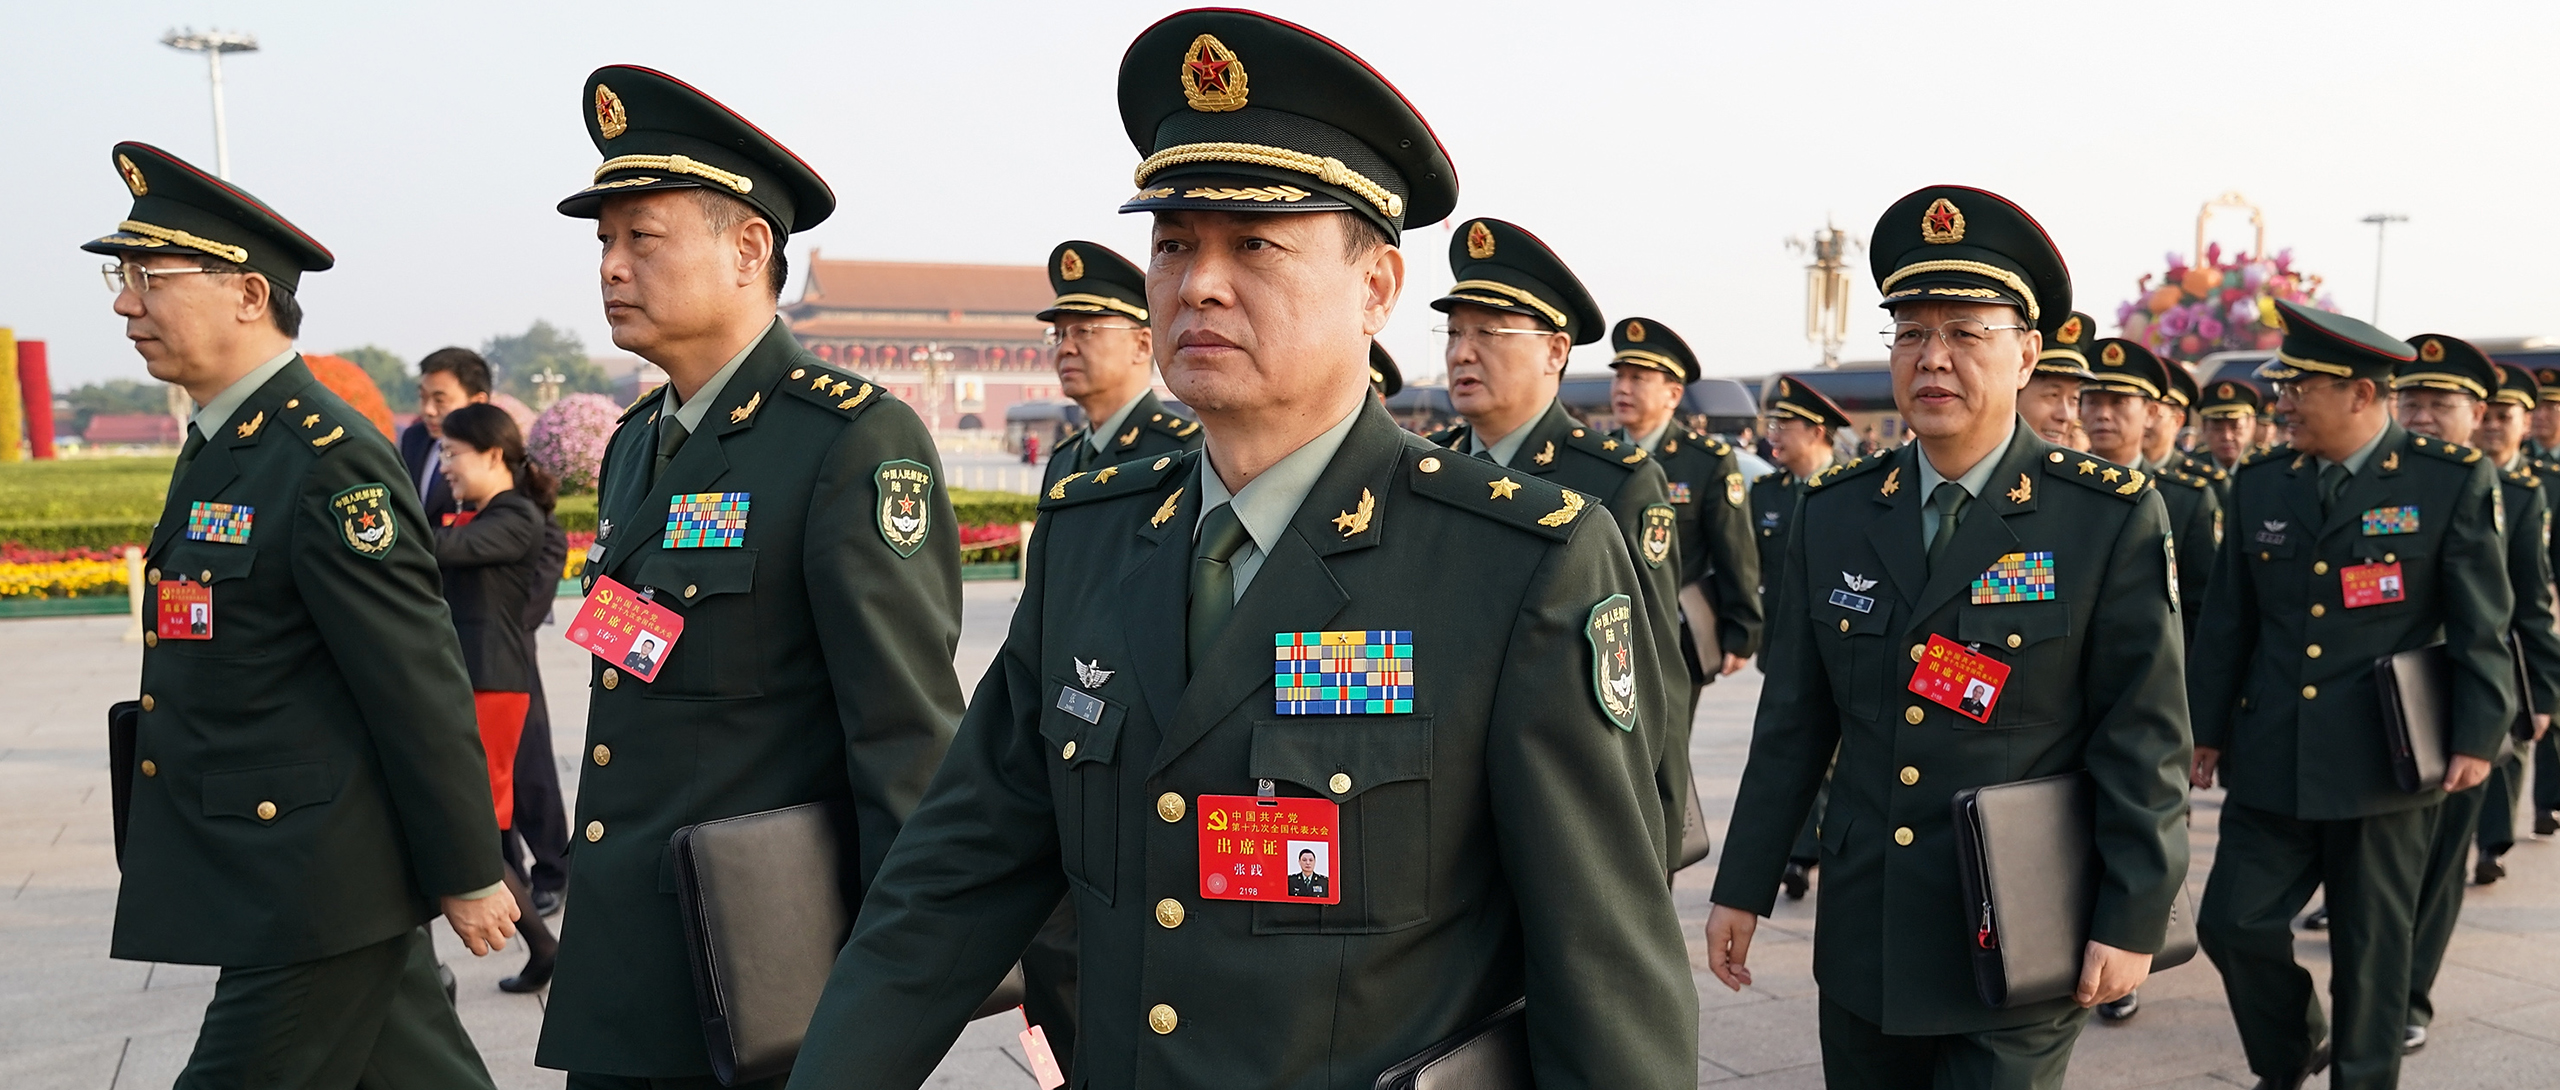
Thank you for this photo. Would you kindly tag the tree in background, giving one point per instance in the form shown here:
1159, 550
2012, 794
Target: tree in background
390, 374
544, 347
73, 409
569, 439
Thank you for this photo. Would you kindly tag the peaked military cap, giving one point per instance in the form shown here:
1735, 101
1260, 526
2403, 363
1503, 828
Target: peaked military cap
2065, 351
179, 209
2230, 398
2548, 378
2447, 363
1501, 266
1236, 111
2518, 387
1090, 279
2325, 343
2181, 390
1384, 375
657, 132
1792, 398
2125, 367
1643, 342
1953, 243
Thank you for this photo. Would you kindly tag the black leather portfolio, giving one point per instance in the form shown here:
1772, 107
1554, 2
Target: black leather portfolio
2029, 869
1694, 844
1490, 1055
2416, 693
124, 737
767, 901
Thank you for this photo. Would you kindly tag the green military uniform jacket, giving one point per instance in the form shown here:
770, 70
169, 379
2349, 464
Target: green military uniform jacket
815, 664
1630, 483
309, 780
2195, 518
1150, 429
2095, 684
1708, 498
2528, 517
1773, 510
1496, 840
2284, 672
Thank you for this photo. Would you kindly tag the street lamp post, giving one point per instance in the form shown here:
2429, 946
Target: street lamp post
934, 356
213, 44
546, 387
2381, 222
1826, 289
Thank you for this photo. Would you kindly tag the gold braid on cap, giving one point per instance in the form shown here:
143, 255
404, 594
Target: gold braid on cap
1650, 359
677, 164
1323, 168
1076, 300
223, 250
2072, 354
1515, 295
2436, 380
2318, 366
1798, 410
2137, 386
2015, 283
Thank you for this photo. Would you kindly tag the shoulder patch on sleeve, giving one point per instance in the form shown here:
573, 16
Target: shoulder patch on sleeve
836, 390
1621, 453
1114, 480
365, 523
1611, 630
1841, 471
645, 401
2099, 475
1500, 493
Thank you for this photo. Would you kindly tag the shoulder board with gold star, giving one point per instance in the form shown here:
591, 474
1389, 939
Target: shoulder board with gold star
2098, 474
2182, 477
1446, 435
2280, 452
1717, 447
839, 391
1772, 477
1500, 493
1173, 424
2451, 452
1854, 467
1114, 480
2524, 475
645, 401
320, 427
1622, 453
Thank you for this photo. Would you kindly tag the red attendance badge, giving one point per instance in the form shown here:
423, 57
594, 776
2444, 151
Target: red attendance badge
186, 610
1270, 849
1959, 679
627, 631
2371, 585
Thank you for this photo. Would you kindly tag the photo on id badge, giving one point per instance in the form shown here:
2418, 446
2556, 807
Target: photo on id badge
1310, 873
1977, 698
643, 656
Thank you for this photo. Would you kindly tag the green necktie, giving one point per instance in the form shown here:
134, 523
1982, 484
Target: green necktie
195, 442
671, 437
2332, 481
1949, 499
1213, 583
1084, 454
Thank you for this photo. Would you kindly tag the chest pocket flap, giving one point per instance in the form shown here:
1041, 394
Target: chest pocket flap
1842, 619
208, 563
1367, 752
265, 794
2013, 626
693, 575
1097, 741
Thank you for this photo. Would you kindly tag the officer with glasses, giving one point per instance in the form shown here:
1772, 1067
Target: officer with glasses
1106, 364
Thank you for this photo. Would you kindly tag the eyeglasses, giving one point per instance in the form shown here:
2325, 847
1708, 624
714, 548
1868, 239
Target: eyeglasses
2297, 387
123, 276
1962, 335
1485, 334
1079, 334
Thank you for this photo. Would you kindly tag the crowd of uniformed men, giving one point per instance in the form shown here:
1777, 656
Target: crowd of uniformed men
1462, 667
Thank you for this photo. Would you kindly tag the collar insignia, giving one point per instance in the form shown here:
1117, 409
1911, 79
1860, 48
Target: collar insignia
1166, 511
1546, 453
250, 426
2025, 491
1355, 522
740, 414
1892, 481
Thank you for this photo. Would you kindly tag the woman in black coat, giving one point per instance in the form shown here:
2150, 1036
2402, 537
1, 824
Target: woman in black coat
490, 550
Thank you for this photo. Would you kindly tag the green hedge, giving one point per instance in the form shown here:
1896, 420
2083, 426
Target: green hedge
77, 533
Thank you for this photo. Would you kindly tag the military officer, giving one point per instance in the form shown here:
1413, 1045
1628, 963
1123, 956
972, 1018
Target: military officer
1719, 565
2544, 448
296, 813
2502, 438
2445, 394
1983, 535
2545, 441
2127, 402
791, 515
1515, 312
1801, 422
2051, 401
2230, 425
1130, 734
1106, 364
2169, 419
2357, 541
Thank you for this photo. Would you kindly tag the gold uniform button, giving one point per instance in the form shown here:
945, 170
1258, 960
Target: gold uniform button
150, 639
2319, 567
1161, 1018
2266, 556
690, 590
149, 769
2310, 692
1428, 465
152, 576
1910, 775
1068, 753
266, 811
2313, 650
2014, 641
205, 576
1917, 650
1844, 624
148, 703
1169, 912
610, 678
595, 831
2390, 558
1169, 806
1912, 715
1902, 836
1340, 783
604, 755
2056, 456
2318, 610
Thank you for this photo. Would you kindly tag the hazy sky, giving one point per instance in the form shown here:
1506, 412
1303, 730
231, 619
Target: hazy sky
1667, 151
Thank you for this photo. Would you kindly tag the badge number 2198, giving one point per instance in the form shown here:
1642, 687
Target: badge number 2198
1270, 849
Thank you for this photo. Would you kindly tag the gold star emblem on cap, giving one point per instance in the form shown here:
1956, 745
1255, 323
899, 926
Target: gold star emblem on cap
1479, 240
1213, 78
1504, 488
1070, 265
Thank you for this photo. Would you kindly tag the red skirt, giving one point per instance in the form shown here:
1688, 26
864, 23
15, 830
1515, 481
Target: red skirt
501, 728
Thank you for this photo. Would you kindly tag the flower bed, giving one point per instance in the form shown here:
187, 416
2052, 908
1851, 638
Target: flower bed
59, 573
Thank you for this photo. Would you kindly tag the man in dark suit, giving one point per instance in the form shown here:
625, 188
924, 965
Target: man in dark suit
309, 788
1488, 798
762, 496
448, 379
1106, 364
1306, 882
1986, 548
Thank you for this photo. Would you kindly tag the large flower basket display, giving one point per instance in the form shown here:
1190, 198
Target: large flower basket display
2214, 301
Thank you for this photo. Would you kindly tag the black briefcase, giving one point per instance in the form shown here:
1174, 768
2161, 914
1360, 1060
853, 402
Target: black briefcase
767, 902
1492, 1054
2416, 691
2027, 853
1694, 843
124, 737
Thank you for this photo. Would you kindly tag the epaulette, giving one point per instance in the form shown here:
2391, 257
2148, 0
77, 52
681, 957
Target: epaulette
1841, 471
1110, 481
1174, 424
643, 401
1712, 445
2210, 471
311, 419
1770, 477
2524, 475
2180, 476
843, 393
2276, 453
2098, 475
1500, 493
1615, 451
2451, 452
1441, 436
